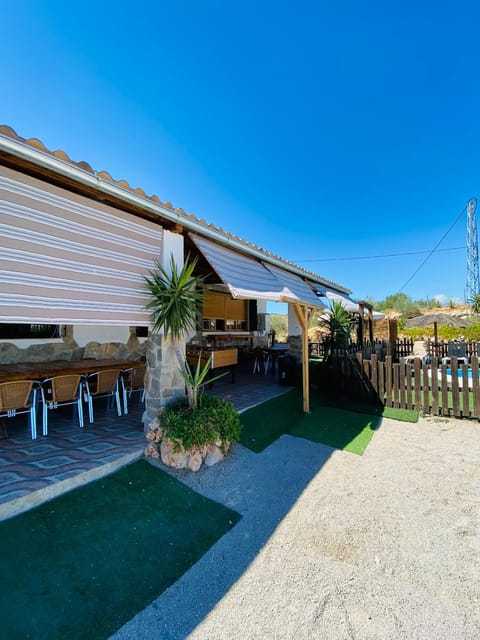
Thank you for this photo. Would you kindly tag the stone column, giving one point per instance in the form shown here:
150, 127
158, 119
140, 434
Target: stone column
163, 383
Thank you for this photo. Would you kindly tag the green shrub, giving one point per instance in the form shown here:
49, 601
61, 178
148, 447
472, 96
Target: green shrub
214, 419
444, 333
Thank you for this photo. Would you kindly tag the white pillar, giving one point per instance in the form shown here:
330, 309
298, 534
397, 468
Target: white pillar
294, 327
294, 334
172, 244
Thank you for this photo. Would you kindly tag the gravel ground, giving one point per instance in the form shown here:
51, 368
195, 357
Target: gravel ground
332, 545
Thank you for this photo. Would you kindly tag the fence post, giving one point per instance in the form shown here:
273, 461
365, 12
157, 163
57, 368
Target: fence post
388, 381
374, 375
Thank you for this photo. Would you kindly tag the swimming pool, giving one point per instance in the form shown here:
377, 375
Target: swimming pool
460, 373
459, 376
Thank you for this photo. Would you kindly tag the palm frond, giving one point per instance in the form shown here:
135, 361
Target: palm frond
175, 300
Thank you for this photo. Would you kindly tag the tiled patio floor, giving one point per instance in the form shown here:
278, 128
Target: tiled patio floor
28, 465
32, 471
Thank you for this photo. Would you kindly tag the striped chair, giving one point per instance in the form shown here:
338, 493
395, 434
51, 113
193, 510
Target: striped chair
102, 384
133, 381
60, 391
19, 396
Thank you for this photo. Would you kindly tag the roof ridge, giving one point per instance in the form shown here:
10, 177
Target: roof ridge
37, 144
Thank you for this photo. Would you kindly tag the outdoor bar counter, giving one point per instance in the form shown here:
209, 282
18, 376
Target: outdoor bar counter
220, 358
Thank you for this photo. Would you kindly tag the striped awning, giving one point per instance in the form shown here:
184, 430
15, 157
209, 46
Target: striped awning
346, 302
249, 279
296, 289
66, 259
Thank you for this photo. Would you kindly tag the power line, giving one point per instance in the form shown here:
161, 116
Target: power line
430, 253
384, 255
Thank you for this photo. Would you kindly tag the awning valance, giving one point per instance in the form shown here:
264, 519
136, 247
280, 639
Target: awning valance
249, 279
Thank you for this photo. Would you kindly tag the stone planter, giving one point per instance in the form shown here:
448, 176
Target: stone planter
173, 454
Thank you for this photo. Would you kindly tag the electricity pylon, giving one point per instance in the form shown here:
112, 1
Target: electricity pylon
472, 289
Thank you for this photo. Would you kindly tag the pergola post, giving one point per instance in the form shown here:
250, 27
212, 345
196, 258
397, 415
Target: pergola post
303, 316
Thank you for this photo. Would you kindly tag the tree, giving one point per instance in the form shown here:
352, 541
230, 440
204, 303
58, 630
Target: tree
399, 302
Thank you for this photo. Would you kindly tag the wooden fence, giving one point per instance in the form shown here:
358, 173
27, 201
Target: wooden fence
440, 350
317, 349
403, 348
435, 389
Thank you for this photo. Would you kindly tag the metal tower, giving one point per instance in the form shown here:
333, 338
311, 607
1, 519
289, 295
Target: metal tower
472, 289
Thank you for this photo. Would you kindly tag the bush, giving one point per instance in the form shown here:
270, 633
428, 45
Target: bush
215, 419
444, 333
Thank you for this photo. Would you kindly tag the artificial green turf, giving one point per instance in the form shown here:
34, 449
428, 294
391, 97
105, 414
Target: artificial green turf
83, 564
404, 415
284, 414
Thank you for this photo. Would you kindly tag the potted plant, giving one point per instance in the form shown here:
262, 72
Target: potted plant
202, 429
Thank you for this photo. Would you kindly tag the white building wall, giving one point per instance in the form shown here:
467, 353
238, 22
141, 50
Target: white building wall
83, 334
294, 328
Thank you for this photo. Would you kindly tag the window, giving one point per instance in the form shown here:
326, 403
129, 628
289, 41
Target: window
29, 331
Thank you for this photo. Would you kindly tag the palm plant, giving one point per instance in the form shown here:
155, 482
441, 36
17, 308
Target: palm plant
338, 324
174, 305
174, 298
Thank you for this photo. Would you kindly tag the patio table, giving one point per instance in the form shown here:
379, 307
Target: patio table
41, 370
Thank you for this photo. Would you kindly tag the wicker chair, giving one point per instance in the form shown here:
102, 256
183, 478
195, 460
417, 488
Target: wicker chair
60, 391
19, 396
133, 381
103, 384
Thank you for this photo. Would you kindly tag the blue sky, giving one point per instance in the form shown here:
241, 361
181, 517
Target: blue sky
316, 130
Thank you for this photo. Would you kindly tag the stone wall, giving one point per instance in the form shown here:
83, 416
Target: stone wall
65, 350
163, 383
68, 349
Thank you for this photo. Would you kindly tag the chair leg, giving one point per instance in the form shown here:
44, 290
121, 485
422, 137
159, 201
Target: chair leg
90, 408
45, 419
125, 402
267, 364
119, 404
33, 421
80, 410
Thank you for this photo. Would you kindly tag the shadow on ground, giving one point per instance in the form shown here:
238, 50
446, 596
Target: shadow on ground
263, 488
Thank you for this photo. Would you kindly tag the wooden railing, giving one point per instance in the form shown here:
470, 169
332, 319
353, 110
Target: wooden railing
381, 348
440, 349
435, 389
403, 348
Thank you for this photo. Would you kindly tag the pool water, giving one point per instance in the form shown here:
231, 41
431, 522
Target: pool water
460, 373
